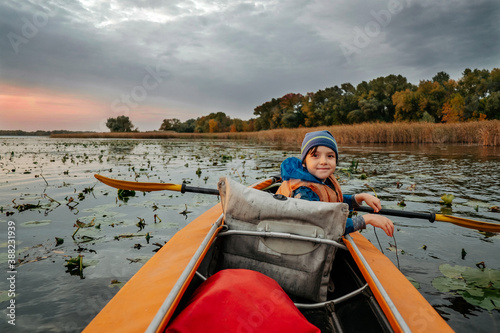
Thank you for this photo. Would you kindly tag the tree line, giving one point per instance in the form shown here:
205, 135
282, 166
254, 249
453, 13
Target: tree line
37, 133
475, 96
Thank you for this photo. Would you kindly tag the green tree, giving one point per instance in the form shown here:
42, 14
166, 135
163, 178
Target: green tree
186, 127
441, 78
170, 124
120, 124
290, 109
377, 104
492, 106
328, 106
407, 106
264, 113
387, 99
431, 97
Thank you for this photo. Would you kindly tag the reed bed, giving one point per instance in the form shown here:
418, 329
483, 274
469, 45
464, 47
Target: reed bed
486, 133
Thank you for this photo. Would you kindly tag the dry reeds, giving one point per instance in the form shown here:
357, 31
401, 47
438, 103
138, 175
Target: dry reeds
486, 133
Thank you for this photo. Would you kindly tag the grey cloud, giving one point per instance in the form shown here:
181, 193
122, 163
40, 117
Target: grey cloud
231, 56
451, 34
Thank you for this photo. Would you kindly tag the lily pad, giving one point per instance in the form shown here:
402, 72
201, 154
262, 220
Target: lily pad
452, 272
474, 204
477, 286
483, 278
36, 223
4, 296
448, 285
3, 257
414, 282
490, 300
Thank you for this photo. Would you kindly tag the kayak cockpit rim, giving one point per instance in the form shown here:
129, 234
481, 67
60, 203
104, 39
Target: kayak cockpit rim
397, 316
173, 295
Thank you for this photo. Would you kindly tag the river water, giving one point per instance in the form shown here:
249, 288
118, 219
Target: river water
58, 212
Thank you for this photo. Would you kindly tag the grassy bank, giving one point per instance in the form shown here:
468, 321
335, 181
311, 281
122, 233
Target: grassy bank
486, 133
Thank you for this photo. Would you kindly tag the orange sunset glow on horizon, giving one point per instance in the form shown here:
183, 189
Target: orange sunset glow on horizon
32, 109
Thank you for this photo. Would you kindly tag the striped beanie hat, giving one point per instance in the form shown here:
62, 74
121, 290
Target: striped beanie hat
319, 138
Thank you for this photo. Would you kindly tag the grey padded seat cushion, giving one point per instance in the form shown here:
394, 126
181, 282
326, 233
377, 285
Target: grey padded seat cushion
301, 268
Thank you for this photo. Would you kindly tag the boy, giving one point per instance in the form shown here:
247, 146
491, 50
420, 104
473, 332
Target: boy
312, 179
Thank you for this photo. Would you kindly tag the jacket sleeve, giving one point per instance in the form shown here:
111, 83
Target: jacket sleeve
351, 201
357, 222
349, 227
354, 224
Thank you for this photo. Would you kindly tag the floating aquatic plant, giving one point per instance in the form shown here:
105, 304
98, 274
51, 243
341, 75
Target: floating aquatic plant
80, 224
116, 284
26, 206
75, 265
124, 195
447, 199
478, 286
141, 224
412, 187
185, 211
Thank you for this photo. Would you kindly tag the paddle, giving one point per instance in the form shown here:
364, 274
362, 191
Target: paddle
463, 222
148, 187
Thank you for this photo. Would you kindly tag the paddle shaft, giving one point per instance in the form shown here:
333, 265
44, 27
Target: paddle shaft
199, 190
431, 217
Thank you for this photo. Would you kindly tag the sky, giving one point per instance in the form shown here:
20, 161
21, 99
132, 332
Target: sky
73, 64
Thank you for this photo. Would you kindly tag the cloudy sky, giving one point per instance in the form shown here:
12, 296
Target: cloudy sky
73, 64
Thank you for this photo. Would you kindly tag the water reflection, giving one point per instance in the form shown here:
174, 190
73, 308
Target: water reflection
122, 147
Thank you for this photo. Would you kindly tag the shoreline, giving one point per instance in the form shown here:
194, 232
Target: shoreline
485, 133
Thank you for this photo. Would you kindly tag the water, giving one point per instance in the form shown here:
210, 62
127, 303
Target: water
56, 176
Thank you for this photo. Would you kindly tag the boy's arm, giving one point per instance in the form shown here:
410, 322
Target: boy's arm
354, 224
358, 222
351, 201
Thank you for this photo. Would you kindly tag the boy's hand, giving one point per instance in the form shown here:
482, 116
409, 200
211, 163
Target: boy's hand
370, 200
381, 222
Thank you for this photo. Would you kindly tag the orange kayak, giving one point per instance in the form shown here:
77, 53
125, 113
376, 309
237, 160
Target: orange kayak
364, 278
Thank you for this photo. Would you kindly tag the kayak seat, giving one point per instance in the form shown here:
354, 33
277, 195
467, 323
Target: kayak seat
290, 240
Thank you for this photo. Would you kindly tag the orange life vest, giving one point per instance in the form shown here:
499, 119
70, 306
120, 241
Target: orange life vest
324, 192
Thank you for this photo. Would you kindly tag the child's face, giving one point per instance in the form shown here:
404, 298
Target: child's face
321, 163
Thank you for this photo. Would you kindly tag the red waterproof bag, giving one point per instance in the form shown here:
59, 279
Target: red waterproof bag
240, 301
